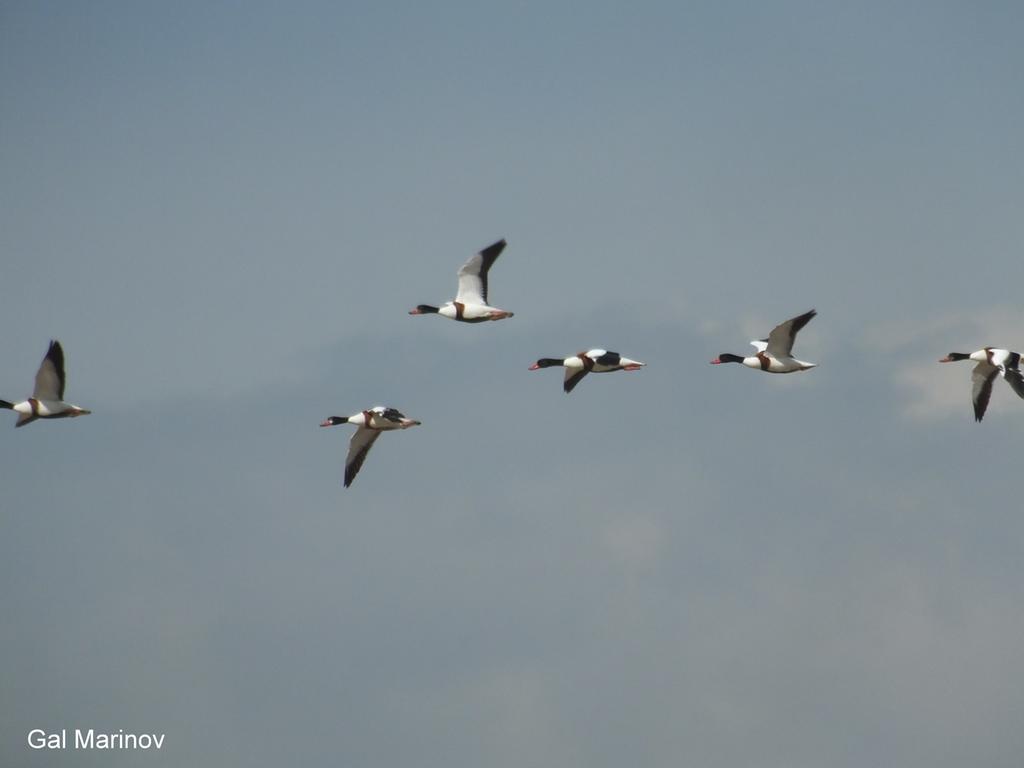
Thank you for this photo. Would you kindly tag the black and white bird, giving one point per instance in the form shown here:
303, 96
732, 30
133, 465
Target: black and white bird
991, 362
370, 423
47, 401
470, 305
591, 361
775, 354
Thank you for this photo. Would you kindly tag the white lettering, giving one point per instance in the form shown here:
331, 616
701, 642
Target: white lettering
151, 740
40, 739
90, 739
83, 742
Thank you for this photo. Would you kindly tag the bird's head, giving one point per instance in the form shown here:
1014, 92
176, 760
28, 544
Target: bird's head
726, 357
424, 309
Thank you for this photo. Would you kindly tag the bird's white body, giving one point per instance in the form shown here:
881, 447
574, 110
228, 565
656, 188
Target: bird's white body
472, 313
378, 418
764, 361
580, 361
44, 409
993, 356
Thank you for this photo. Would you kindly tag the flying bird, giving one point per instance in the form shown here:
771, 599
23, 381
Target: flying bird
370, 423
470, 304
591, 361
775, 354
47, 401
991, 363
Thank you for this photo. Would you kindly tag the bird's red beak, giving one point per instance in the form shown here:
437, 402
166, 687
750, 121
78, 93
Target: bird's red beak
716, 361
534, 367
946, 359
326, 423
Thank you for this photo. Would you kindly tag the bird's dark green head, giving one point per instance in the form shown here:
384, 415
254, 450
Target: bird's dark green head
334, 421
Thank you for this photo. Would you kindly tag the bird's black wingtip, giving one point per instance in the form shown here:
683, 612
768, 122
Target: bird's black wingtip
494, 248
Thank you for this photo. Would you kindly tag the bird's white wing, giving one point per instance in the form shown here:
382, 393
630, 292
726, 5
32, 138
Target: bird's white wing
982, 377
573, 376
360, 445
759, 345
50, 376
780, 340
473, 275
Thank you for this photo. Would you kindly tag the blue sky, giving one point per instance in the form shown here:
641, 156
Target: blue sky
224, 212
